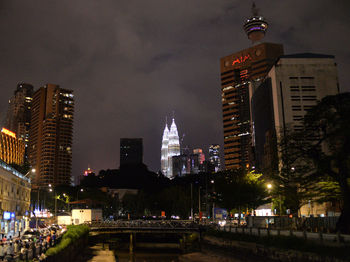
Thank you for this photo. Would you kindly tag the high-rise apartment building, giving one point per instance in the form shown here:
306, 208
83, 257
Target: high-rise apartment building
238, 71
214, 157
292, 87
131, 151
18, 113
11, 148
51, 135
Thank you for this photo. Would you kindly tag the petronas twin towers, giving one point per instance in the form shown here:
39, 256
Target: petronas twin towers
170, 148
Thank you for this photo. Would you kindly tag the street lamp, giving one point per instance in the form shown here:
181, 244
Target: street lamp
30, 171
81, 190
269, 186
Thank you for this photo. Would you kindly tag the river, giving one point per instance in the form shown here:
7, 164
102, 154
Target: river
101, 253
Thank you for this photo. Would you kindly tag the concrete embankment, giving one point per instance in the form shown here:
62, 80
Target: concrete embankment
247, 251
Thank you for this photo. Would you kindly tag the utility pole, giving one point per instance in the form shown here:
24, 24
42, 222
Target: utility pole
38, 210
199, 199
192, 203
55, 205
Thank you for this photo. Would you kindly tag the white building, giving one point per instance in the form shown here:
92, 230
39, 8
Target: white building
164, 151
170, 148
293, 86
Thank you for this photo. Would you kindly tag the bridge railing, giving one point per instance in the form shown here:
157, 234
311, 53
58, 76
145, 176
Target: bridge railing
166, 224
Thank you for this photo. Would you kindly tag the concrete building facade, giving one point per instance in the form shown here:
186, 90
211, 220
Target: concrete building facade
292, 87
14, 200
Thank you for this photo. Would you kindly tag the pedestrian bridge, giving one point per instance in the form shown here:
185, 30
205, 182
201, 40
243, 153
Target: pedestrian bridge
144, 226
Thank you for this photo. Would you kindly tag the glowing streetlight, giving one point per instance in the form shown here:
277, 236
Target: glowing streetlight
269, 186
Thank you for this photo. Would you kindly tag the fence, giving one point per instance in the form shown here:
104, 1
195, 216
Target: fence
312, 224
320, 237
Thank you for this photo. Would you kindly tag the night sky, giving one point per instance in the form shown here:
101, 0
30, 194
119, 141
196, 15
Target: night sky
132, 63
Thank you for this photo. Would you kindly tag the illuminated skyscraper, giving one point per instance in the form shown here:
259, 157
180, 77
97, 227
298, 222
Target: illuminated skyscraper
170, 148
201, 156
18, 113
214, 157
173, 147
164, 151
51, 135
11, 148
239, 71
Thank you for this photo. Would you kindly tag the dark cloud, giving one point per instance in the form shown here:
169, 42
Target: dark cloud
131, 63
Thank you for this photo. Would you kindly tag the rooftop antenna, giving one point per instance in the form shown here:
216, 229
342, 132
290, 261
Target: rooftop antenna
255, 10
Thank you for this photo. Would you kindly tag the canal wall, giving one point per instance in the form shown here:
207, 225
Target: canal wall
249, 250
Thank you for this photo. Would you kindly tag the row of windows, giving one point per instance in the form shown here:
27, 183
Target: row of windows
302, 88
299, 108
303, 98
301, 77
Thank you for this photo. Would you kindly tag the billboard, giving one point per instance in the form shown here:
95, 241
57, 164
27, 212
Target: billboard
220, 213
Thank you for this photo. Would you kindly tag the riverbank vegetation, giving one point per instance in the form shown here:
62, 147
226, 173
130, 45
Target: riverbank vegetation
73, 234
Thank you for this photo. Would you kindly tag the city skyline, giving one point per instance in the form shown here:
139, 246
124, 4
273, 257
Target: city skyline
127, 68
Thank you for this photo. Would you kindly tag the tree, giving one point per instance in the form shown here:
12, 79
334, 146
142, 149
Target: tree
293, 178
328, 125
237, 189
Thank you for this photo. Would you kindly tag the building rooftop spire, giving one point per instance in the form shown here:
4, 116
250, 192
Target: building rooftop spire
255, 10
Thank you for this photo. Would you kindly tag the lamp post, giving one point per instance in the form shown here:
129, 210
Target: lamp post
30, 171
212, 182
50, 189
192, 202
81, 190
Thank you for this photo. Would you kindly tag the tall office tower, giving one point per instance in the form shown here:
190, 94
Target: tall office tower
173, 147
11, 148
181, 165
239, 71
201, 156
292, 87
51, 135
214, 157
164, 151
18, 113
131, 151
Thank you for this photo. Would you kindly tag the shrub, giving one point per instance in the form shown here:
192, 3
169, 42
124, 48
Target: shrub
71, 236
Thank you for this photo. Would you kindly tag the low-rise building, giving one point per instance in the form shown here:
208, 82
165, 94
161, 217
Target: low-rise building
14, 200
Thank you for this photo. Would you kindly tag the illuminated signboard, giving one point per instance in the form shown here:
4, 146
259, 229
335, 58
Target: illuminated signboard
8, 132
241, 59
8, 215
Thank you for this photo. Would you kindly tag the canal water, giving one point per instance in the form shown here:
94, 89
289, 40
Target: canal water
110, 248
103, 254
191, 257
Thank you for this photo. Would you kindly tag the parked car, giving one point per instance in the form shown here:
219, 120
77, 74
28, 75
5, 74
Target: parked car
30, 234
